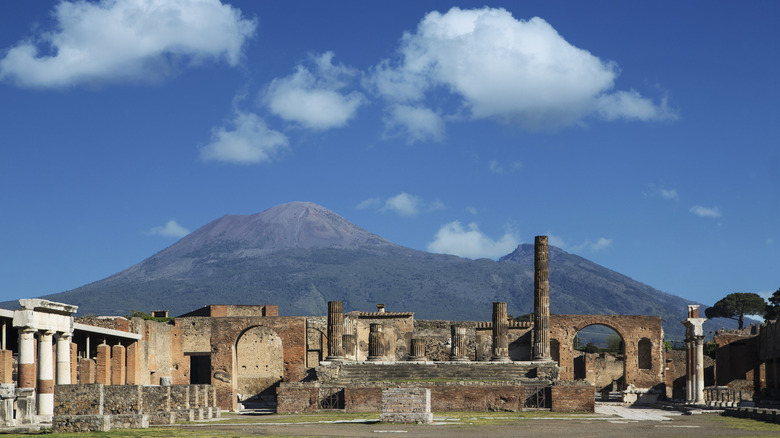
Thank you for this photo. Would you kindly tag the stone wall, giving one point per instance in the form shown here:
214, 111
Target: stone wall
397, 331
196, 334
406, 405
737, 362
160, 352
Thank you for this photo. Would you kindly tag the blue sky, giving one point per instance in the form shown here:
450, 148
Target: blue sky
640, 135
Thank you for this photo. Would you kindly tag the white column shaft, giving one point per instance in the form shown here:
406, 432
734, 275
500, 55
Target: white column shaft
63, 359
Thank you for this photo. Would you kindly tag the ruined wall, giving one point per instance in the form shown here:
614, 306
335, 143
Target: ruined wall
573, 398
317, 340
109, 322
397, 330
225, 332
601, 369
196, 334
737, 360
435, 334
632, 329
160, 352
518, 337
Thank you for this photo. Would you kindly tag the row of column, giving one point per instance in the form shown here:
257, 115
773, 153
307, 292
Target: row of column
45, 373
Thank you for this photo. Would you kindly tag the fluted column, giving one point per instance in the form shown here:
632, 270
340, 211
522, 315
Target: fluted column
458, 347
335, 330
63, 358
500, 333
541, 348
375, 348
26, 372
689, 359
45, 374
418, 350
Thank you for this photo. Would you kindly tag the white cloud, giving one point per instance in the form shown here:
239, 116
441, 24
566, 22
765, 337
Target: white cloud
314, 99
670, 194
471, 210
249, 141
417, 122
115, 40
712, 212
454, 238
403, 204
496, 167
514, 70
170, 229
600, 244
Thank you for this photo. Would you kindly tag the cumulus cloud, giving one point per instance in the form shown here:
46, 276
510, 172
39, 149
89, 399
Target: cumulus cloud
114, 40
404, 204
710, 212
314, 99
453, 238
248, 140
170, 229
496, 66
369, 203
417, 123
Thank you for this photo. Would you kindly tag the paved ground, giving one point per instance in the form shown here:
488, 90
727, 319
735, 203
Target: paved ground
608, 421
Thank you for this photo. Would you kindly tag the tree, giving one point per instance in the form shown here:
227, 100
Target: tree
773, 309
735, 306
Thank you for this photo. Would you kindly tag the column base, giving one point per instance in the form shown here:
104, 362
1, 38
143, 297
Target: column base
418, 359
335, 359
375, 358
500, 359
544, 358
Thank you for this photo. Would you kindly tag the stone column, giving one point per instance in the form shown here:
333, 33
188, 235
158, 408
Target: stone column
6, 366
349, 342
87, 369
134, 364
27, 357
541, 350
500, 332
74, 363
45, 374
458, 347
418, 351
103, 374
335, 331
63, 359
375, 348
118, 365
699, 345
689, 358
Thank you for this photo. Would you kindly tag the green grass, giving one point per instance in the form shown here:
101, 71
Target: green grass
748, 424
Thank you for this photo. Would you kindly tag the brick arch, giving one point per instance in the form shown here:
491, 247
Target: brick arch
631, 328
225, 333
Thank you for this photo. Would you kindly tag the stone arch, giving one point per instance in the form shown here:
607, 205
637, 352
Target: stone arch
258, 363
631, 329
605, 371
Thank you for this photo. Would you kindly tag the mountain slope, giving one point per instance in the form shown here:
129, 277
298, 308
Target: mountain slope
301, 255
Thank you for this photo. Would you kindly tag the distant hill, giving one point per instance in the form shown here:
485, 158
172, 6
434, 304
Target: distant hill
300, 255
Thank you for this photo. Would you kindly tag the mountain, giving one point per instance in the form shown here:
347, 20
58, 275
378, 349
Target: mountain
300, 255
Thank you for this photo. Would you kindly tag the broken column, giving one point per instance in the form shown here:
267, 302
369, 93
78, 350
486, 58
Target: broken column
500, 332
541, 349
103, 374
417, 351
335, 331
375, 349
63, 358
458, 344
118, 367
694, 341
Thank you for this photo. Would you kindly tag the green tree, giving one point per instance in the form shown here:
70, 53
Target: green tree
773, 309
735, 306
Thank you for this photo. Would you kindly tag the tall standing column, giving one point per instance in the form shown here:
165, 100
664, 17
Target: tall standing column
689, 360
458, 347
500, 333
63, 358
27, 357
375, 348
45, 374
699, 343
335, 331
541, 348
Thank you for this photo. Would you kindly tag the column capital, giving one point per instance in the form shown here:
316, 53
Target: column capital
64, 335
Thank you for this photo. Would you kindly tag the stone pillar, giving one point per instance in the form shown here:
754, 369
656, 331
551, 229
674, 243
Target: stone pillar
335, 330
541, 350
418, 351
87, 370
458, 347
500, 332
689, 358
699, 346
63, 359
134, 364
103, 374
118, 365
349, 342
27, 357
375, 348
45, 374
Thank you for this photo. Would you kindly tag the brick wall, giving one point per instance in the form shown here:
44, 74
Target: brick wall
296, 398
573, 398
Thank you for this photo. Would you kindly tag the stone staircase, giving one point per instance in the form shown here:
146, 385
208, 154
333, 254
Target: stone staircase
437, 371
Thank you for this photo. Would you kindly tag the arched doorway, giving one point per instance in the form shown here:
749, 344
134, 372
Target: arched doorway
600, 357
259, 364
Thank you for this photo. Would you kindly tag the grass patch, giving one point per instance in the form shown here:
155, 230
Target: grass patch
141, 433
748, 424
295, 418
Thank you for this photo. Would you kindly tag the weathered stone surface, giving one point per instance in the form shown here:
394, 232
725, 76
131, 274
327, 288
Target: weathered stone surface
121, 400
406, 405
573, 398
295, 398
78, 399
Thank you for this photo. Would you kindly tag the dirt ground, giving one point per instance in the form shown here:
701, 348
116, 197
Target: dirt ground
712, 425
